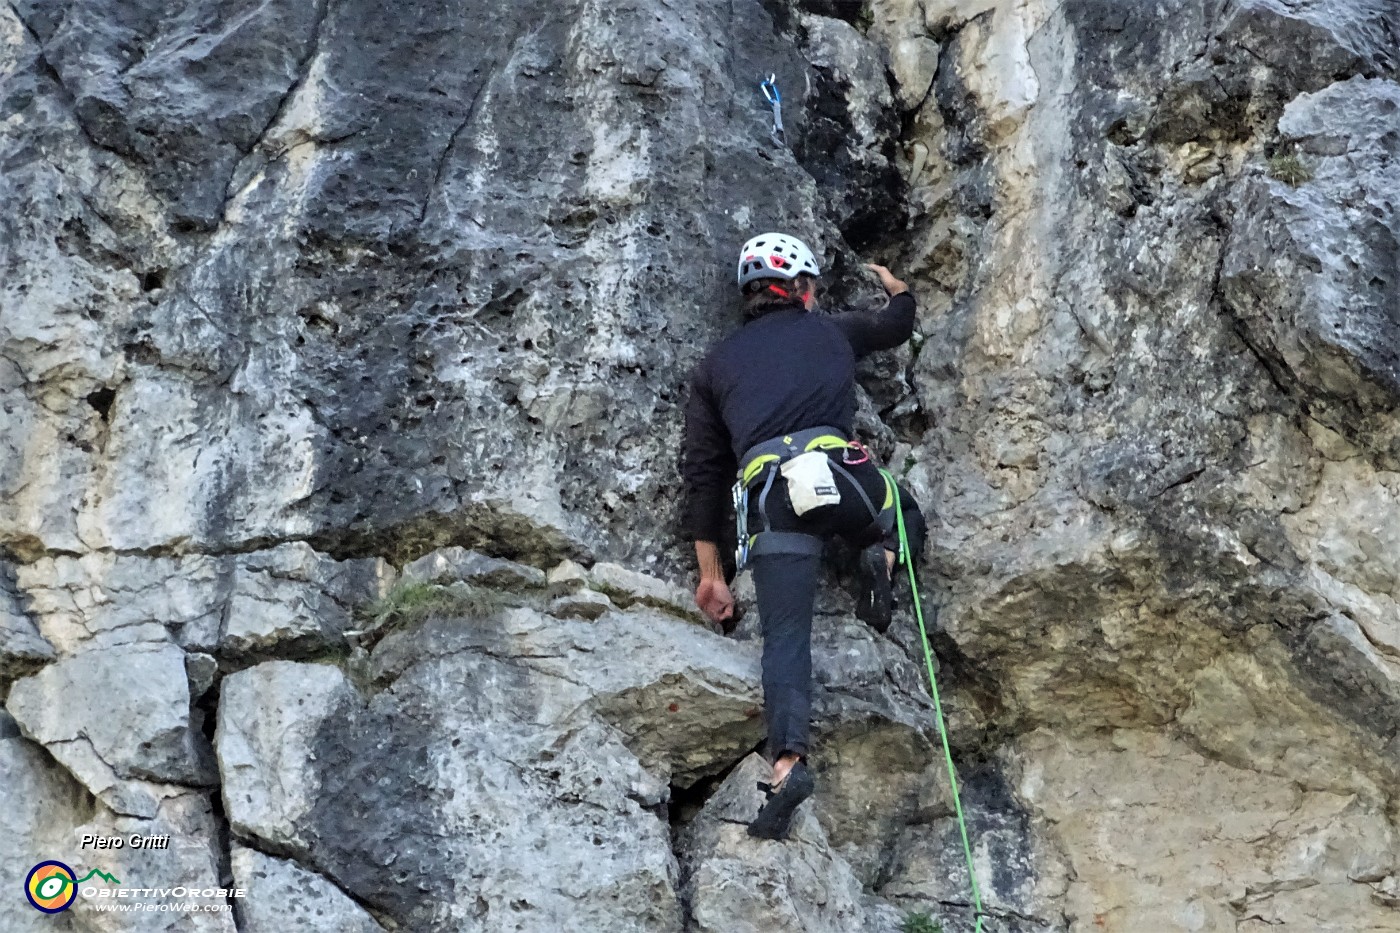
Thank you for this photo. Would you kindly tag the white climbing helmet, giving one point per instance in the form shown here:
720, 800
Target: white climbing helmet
775, 256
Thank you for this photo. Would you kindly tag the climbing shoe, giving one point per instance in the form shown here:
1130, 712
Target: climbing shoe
874, 599
775, 819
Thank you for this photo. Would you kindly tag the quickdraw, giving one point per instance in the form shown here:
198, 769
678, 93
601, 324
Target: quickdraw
775, 100
741, 519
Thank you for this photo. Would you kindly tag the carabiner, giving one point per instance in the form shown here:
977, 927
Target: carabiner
855, 445
741, 526
770, 90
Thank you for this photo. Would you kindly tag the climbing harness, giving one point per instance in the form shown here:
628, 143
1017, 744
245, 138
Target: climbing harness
752, 464
755, 463
776, 452
775, 100
937, 702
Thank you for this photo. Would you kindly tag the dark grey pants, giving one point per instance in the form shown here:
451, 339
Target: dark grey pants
786, 586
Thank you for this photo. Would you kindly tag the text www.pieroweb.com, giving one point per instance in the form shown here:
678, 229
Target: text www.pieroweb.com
121, 907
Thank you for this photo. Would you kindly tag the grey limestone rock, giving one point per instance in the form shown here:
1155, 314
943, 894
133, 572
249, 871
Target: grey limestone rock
57, 813
566, 577
583, 604
1256, 835
49, 804
228, 383
203, 671
686, 708
459, 565
1021, 879
733, 881
188, 856
118, 718
1311, 268
628, 587
269, 716
104, 601
225, 70
289, 600
281, 895
435, 805
596, 740
22, 648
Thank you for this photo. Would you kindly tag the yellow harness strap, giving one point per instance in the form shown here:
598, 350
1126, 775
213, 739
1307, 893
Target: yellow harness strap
820, 442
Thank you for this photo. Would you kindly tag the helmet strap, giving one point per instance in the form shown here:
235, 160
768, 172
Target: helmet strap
779, 290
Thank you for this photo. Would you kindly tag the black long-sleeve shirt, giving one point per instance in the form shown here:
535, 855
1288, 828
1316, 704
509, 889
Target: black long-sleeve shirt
785, 371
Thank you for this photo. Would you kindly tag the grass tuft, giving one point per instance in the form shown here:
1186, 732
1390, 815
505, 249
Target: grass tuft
866, 18
411, 602
1289, 169
921, 923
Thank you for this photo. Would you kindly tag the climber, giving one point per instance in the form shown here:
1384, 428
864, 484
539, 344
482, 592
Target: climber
773, 404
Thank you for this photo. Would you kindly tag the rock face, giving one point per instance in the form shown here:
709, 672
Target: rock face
113, 715
1310, 272
56, 816
529, 806
299, 298
734, 882
22, 648
1254, 850
282, 895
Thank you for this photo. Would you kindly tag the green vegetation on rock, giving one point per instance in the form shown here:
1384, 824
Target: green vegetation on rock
921, 923
1289, 169
411, 602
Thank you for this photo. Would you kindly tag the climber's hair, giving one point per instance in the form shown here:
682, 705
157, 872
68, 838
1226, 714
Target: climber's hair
759, 299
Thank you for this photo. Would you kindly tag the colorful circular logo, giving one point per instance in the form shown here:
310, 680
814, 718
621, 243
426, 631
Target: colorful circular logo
51, 887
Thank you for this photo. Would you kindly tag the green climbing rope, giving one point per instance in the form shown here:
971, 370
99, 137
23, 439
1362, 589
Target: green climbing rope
937, 702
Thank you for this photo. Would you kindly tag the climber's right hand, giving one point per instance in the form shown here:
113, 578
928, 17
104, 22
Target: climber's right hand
714, 599
892, 285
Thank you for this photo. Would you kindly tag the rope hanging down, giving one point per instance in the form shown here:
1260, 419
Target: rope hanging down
937, 702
